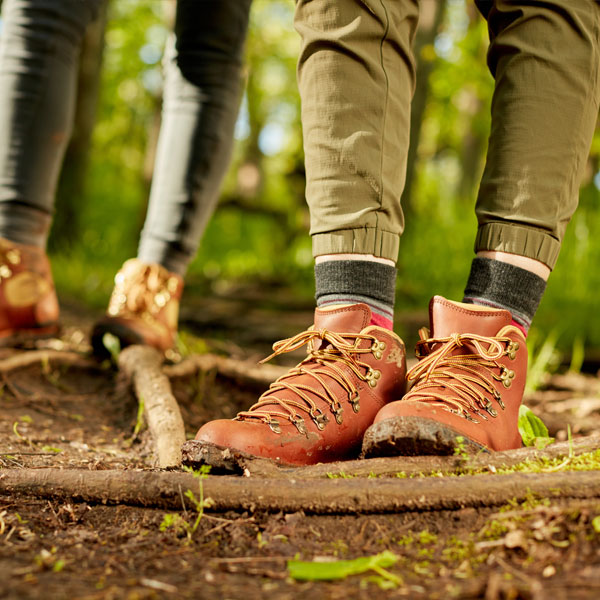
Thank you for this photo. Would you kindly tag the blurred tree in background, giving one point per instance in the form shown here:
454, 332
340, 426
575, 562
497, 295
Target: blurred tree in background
259, 232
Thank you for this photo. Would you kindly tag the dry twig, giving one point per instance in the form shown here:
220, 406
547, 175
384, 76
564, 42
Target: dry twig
143, 367
245, 372
340, 496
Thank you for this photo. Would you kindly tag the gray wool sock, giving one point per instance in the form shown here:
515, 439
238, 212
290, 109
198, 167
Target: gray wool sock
498, 284
353, 281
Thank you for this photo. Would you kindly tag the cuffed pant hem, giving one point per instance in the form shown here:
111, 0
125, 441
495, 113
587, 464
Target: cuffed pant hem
24, 224
365, 240
165, 254
517, 239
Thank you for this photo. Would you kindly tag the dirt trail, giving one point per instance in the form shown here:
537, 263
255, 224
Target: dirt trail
84, 419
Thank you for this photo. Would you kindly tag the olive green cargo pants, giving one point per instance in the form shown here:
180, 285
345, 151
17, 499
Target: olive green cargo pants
356, 76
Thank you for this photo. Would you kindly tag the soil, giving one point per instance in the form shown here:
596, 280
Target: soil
86, 418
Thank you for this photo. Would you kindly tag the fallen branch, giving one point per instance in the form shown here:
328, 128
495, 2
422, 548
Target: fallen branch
143, 367
240, 371
340, 496
34, 357
233, 461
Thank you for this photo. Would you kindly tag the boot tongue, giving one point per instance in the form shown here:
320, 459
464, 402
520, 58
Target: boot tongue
447, 317
343, 319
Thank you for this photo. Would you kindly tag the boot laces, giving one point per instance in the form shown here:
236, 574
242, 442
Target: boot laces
324, 364
462, 383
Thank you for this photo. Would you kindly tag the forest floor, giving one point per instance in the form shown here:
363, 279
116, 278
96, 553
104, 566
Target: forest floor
81, 418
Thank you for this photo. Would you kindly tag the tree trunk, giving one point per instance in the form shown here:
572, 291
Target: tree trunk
431, 17
71, 185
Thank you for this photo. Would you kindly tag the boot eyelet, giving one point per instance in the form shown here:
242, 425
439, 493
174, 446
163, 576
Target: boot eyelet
274, 426
506, 376
355, 401
372, 377
338, 412
490, 409
468, 417
377, 349
320, 419
298, 422
511, 350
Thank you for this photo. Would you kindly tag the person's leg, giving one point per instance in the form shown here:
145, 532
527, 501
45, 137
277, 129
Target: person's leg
203, 64
39, 50
545, 58
356, 123
203, 67
356, 77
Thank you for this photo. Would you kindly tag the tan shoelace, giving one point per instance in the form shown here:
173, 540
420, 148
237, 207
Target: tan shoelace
336, 351
463, 381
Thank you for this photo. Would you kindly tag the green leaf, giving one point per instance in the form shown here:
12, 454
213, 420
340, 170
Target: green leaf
541, 442
532, 428
596, 524
113, 344
339, 569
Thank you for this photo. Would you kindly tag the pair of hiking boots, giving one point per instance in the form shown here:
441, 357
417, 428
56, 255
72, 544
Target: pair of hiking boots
143, 308
351, 389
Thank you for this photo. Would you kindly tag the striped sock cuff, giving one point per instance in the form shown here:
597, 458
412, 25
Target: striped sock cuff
354, 281
501, 285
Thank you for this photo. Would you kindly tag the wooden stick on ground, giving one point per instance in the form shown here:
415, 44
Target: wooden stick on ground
34, 357
241, 371
339, 496
143, 367
234, 461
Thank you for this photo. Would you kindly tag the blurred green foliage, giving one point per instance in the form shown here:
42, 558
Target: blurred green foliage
259, 232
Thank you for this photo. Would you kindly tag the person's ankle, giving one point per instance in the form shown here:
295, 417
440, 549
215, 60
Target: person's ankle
357, 279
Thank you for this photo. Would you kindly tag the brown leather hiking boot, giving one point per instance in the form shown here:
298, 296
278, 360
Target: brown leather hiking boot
143, 307
467, 384
28, 304
319, 411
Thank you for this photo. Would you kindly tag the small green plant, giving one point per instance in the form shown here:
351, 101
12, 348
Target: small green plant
532, 429
178, 523
426, 538
113, 344
341, 475
460, 449
543, 359
139, 422
577, 355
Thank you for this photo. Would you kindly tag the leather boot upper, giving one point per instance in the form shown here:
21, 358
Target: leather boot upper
143, 307
470, 376
28, 303
319, 410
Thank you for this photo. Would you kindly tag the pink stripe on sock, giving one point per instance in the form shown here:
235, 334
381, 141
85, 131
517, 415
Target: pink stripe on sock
381, 321
519, 326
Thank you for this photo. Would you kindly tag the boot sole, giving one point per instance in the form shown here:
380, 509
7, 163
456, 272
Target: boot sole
17, 337
127, 337
415, 436
223, 460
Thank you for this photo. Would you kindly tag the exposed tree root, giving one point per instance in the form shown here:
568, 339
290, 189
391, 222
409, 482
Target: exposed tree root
143, 367
231, 461
34, 357
340, 496
241, 371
